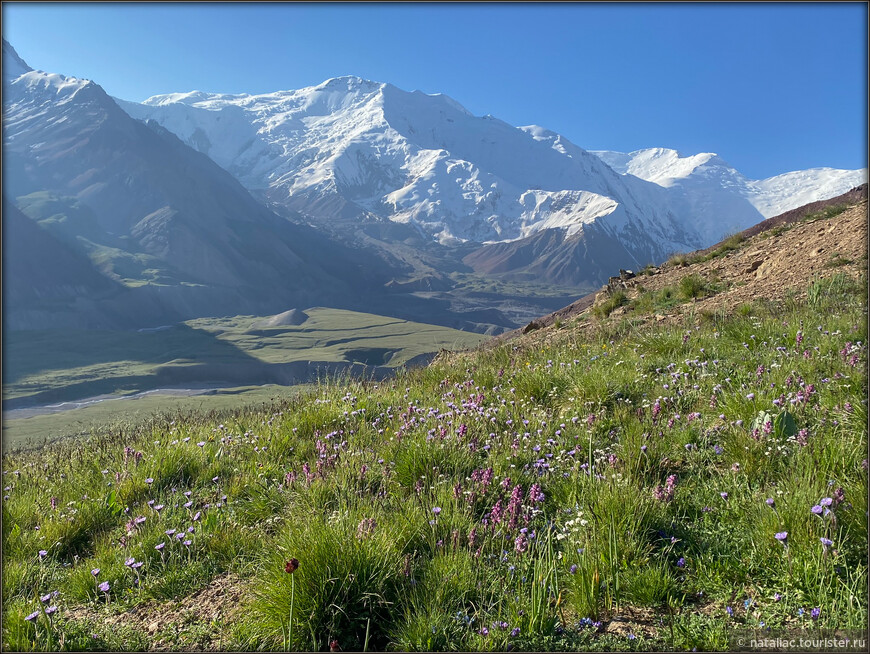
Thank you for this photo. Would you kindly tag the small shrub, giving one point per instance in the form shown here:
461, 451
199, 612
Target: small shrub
678, 260
693, 286
618, 299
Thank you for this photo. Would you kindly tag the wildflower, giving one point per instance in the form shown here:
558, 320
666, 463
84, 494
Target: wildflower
334, 647
483, 631
572, 570
32, 617
95, 571
44, 599
729, 610
169, 532
826, 542
782, 537
42, 554
817, 509
777, 597
436, 510
186, 543
196, 516
515, 632
770, 502
826, 501
815, 613
150, 480
724, 496
129, 562
104, 587
51, 610
160, 546
291, 566
681, 563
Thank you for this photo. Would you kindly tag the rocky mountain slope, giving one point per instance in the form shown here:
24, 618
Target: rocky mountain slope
773, 260
153, 216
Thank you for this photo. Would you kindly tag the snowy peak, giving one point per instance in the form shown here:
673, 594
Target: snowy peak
13, 65
705, 176
781, 193
661, 166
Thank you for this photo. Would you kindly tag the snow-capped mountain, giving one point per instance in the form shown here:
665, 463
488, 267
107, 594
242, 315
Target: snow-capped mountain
707, 185
420, 160
351, 153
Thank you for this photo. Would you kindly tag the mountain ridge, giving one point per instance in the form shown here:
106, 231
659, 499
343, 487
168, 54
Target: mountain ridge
424, 161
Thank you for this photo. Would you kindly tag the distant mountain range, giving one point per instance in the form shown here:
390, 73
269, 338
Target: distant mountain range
352, 152
353, 194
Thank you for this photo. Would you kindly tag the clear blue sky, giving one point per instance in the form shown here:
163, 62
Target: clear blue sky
769, 87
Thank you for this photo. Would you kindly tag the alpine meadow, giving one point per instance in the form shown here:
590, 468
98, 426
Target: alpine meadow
350, 368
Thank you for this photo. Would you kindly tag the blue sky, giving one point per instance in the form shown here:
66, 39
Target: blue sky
769, 87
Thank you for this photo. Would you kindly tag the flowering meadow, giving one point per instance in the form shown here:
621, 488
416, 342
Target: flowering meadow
623, 487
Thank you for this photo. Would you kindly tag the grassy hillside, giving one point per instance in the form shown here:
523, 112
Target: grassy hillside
665, 486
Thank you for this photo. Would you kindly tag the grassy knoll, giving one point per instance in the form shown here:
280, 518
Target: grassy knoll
664, 487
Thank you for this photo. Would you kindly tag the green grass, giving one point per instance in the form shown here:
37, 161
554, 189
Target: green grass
40, 429
521, 496
608, 306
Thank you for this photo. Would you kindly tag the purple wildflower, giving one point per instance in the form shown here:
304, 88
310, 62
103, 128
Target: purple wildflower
160, 546
770, 502
104, 587
32, 617
782, 537
95, 571
51, 610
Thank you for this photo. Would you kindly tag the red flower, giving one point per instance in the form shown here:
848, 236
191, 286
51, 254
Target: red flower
291, 565
333, 646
